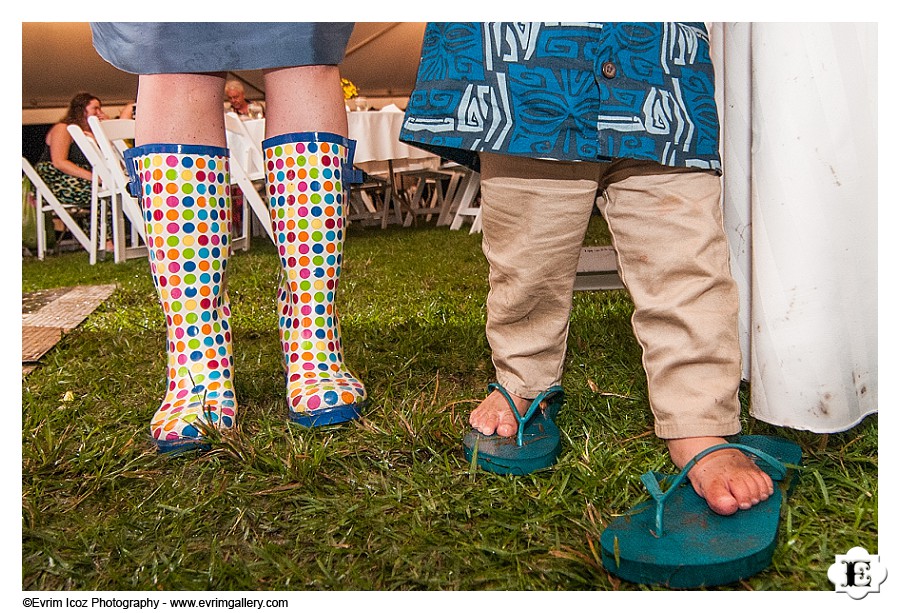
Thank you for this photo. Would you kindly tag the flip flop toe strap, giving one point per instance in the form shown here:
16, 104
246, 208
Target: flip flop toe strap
652, 482
532, 408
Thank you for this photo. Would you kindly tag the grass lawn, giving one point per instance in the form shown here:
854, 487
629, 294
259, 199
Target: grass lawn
388, 503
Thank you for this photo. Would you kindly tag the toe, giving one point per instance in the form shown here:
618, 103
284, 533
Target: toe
493, 416
716, 490
506, 429
764, 485
743, 491
720, 499
483, 421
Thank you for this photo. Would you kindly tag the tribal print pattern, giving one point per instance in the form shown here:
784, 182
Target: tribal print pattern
566, 91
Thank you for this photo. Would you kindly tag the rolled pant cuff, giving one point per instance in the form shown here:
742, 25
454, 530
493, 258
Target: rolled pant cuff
697, 429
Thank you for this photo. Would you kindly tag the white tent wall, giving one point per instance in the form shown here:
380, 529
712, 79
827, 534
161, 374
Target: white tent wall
799, 109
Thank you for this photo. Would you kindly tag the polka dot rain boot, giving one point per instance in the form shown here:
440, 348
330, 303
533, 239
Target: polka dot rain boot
185, 197
304, 181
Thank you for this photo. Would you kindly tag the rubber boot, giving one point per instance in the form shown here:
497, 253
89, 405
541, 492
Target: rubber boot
305, 175
185, 197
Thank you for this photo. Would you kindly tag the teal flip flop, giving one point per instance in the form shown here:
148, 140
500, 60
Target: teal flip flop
535, 446
677, 541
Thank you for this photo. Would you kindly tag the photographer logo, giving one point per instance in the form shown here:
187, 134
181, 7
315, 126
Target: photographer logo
857, 573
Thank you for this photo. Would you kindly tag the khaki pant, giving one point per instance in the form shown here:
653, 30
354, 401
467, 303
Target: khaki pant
666, 225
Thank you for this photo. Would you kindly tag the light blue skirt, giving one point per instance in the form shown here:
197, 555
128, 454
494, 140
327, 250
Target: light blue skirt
179, 47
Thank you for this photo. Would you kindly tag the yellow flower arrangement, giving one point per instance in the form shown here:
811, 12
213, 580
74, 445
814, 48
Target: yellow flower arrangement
349, 88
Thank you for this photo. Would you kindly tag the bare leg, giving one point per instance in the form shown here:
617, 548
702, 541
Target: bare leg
186, 200
184, 109
305, 99
306, 118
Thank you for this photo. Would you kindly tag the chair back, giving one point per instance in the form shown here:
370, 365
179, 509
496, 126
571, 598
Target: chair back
102, 185
246, 162
114, 137
244, 147
91, 151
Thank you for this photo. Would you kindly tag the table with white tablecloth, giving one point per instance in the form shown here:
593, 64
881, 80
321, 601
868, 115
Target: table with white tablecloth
380, 153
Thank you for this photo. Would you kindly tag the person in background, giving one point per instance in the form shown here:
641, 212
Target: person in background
238, 103
127, 111
62, 164
180, 172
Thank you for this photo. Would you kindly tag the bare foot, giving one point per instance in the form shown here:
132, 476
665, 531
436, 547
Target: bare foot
493, 415
728, 480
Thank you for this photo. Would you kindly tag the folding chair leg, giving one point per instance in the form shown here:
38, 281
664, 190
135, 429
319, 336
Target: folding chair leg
41, 226
466, 199
415, 203
388, 201
476, 224
450, 200
92, 253
118, 233
246, 213
436, 203
103, 226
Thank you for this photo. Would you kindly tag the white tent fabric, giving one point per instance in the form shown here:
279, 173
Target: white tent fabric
58, 60
799, 114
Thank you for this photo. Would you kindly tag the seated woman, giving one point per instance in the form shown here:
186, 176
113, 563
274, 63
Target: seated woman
63, 165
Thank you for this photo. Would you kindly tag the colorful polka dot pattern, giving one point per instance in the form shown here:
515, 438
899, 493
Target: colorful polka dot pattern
306, 203
186, 203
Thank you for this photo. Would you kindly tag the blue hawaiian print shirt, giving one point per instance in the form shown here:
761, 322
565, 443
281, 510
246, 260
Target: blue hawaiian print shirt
566, 91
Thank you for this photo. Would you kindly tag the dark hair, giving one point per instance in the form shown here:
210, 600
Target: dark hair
75, 114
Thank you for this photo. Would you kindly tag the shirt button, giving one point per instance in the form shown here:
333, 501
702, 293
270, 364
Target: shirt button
608, 69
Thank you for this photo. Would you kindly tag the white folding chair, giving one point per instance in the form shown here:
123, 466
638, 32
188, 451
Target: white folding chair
240, 150
114, 137
101, 186
61, 210
246, 163
465, 202
249, 149
458, 180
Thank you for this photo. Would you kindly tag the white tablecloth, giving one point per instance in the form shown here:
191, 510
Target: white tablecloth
800, 158
377, 137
